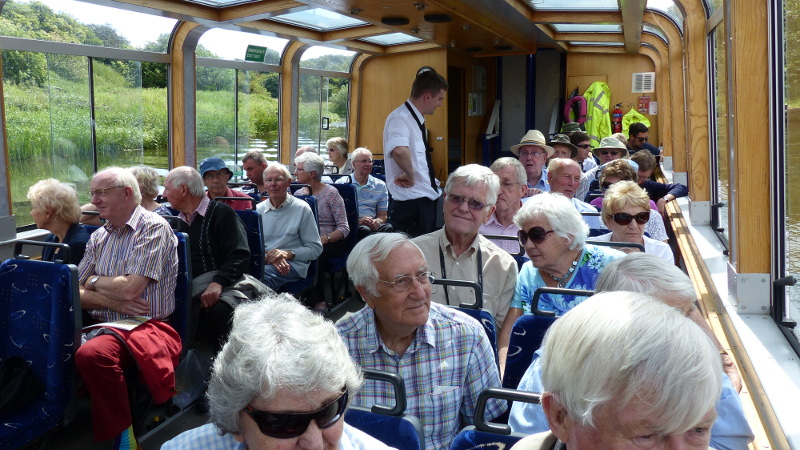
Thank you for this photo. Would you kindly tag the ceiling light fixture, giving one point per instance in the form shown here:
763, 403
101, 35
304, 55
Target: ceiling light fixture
395, 21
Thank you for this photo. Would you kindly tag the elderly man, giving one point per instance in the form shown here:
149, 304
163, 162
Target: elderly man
628, 383
254, 163
129, 269
409, 169
563, 147
638, 137
513, 187
373, 196
533, 153
442, 354
584, 145
610, 149
661, 193
564, 176
220, 254
458, 252
291, 233
216, 176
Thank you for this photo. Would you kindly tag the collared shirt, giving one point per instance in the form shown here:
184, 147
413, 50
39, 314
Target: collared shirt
499, 272
401, 130
373, 196
542, 185
588, 164
207, 437
447, 365
496, 228
146, 246
200, 210
236, 204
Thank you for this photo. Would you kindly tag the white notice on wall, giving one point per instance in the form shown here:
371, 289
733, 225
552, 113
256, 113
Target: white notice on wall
653, 108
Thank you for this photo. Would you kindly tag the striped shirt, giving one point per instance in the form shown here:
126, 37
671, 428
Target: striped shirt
144, 246
449, 363
372, 195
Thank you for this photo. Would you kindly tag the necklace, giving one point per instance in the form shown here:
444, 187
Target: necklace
562, 280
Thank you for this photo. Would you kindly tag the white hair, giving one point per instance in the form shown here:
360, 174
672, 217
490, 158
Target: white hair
360, 151
616, 348
646, 273
473, 175
557, 164
564, 219
312, 163
281, 167
277, 345
370, 251
502, 163
123, 178
186, 176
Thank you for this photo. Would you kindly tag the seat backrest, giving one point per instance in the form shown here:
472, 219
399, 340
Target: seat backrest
474, 310
179, 319
389, 425
255, 240
557, 291
616, 244
526, 338
40, 321
249, 198
349, 194
485, 435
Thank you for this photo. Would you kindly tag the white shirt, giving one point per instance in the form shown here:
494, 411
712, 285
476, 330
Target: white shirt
401, 130
651, 246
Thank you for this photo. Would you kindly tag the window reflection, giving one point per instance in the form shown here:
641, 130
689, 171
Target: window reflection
791, 140
720, 188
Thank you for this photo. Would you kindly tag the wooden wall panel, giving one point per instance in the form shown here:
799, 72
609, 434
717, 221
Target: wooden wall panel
618, 68
696, 72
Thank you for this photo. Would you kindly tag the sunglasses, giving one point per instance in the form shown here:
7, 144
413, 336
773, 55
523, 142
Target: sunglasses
609, 152
471, 203
625, 218
291, 425
584, 146
642, 139
535, 234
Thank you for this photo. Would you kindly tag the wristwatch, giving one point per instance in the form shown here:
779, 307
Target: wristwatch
291, 255
93, 280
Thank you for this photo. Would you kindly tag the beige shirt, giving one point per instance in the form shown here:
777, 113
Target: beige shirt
499, 272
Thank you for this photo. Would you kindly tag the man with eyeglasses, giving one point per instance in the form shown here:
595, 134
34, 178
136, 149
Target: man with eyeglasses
513, 187
459, 252
533, 152
565, 177
216, 176
638, 137
129, 269
442, 354
373, 197
407, 148
584, 159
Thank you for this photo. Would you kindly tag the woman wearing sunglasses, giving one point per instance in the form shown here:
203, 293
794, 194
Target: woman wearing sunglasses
337, 153
283, 380
626, 212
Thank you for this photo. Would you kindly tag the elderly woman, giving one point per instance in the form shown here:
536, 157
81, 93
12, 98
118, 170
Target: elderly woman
648, 275
291, 237
148, 180
623, 370
55, 208
619, 170
610, 149
283, 380
337, 153
626, 211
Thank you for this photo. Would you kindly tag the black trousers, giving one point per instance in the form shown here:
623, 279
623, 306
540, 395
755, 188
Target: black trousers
413, 217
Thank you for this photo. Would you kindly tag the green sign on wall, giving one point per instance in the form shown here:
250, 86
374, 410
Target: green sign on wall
255, 53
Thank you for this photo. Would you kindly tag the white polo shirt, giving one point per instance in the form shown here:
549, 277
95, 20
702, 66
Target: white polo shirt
401, 130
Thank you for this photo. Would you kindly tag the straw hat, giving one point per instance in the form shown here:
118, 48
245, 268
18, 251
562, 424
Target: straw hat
611, 142
534, 138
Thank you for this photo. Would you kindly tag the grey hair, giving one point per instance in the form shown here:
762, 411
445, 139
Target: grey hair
557, 164
123, 178
474, 175
276, 345
340, 143
256, 156
370, 251
502, 163
281, 167
558, 210
619, 347
60, 198
307, 148
312, 163
148, 179
646, 273
186, 176
359, 151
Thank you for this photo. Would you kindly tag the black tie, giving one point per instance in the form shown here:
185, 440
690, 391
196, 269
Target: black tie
428, 149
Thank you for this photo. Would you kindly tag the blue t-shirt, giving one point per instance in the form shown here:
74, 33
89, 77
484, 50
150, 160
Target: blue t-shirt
592, 261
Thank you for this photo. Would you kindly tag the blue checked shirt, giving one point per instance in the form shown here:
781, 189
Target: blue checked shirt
448, 364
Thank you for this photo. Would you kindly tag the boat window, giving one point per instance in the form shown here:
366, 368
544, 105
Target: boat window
720, 155
669, 8
655, 30
232, 45
597, 44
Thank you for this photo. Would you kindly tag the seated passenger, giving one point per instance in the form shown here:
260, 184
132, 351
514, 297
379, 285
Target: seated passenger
513, 187
610, 149
626, 212
584, 158
564, 176
563, 147
443, 355
129, 269
216, 176
291, 236
55, 208
647, 274
254, 163
220, 254
148, 180
615, 375
337, 153
554, 234
533, 153
638, 137
373, 196
661, 193
283, 380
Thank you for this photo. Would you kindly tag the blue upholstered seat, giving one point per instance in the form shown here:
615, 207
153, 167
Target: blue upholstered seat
475, 310
255, 240
333, 266
487, 435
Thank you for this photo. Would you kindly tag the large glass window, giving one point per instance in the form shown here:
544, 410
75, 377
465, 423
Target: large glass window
720, 156
791, 145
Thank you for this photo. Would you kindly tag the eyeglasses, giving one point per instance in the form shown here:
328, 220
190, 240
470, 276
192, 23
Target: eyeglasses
363, 161
102, 192
642, 139
535, 234
584, 146
625, 218
290, 425
405, 282
609, 152
331, 149
471, 203
531, 153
